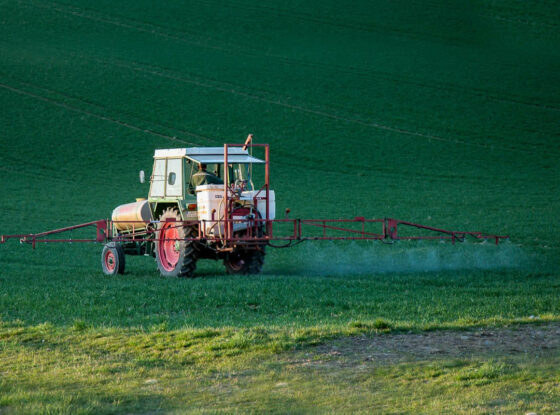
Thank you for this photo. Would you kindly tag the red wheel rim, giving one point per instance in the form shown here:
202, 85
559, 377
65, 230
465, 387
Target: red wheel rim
168, 253
110, 261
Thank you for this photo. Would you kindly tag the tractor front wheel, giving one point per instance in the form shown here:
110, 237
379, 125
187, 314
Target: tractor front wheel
112, 259
175, 257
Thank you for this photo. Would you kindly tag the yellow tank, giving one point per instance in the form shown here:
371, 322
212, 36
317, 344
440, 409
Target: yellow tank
125, 216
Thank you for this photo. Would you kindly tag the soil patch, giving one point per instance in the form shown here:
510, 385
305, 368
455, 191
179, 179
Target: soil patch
393, 348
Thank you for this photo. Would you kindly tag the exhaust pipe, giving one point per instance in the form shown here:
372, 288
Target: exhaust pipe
248, 141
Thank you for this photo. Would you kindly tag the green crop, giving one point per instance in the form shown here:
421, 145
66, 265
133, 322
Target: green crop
441, 113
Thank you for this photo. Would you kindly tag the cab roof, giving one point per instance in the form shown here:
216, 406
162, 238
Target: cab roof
208, 155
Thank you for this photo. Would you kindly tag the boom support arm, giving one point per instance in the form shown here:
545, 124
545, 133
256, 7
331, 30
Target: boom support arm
33, 238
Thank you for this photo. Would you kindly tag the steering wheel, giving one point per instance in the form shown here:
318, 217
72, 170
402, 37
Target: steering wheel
240, 185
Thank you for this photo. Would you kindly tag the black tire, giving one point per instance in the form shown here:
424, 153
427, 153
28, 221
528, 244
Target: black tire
245, 261
174, 256
113, 259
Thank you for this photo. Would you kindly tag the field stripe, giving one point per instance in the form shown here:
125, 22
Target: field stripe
139, 26
181, 78
253, 97
308, 163
234, 89
229, 90
18, 172
318, 112
101, 117
341, 22
348, 20
156, 30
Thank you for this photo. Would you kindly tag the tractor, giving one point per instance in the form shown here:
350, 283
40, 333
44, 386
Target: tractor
202, 204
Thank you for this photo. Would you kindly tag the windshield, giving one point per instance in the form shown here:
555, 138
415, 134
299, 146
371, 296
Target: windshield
237, 174
242, 173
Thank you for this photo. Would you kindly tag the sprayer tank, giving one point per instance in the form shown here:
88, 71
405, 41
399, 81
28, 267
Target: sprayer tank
135, 214
210, 207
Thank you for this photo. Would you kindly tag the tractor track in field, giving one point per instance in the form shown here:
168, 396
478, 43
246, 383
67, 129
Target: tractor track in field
120, 21
173, 138
357, 25
339, 23
525, 339
235, 89
44, 177
232, 89
324, 111
275, 99
99, 116
157, 30
328, 114
43, 172
150, 130
141, 25
208, 139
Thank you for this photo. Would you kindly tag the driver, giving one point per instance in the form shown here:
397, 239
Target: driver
202, 177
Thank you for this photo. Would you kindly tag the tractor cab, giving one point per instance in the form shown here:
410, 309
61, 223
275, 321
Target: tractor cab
173, 180
173, 171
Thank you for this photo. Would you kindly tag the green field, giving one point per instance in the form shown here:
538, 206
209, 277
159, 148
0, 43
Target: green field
444, 113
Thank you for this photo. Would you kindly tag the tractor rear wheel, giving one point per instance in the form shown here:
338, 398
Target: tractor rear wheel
175, 257
245, 261
112, 259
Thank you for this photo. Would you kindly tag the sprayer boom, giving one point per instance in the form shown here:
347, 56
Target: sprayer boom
298, 230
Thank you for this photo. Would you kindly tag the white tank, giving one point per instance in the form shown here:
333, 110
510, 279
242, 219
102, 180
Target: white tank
261, 203
209, 198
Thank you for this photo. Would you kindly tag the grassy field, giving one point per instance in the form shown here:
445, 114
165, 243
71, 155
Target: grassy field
442, 113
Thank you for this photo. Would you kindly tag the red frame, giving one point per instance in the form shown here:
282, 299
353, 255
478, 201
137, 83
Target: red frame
228, 223
389, 231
